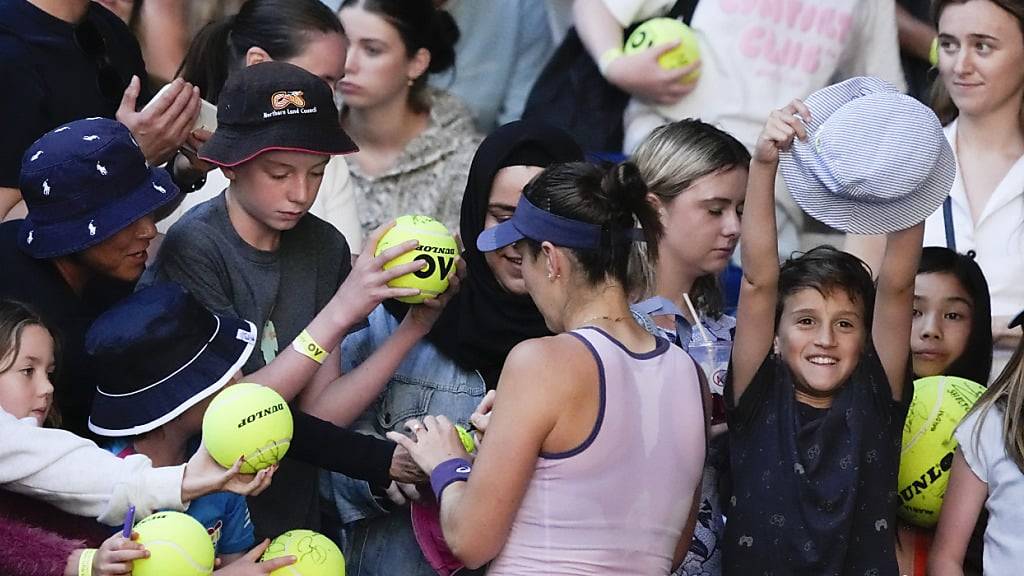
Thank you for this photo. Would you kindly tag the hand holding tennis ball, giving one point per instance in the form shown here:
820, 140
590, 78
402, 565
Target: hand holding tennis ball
177, 543
247, 420
661, 31
436, 249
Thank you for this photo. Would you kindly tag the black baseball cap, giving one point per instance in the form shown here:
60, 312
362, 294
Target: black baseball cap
275, 106
1017, 321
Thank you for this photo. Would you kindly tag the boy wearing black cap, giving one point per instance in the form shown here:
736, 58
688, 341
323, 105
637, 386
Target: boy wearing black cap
255, 252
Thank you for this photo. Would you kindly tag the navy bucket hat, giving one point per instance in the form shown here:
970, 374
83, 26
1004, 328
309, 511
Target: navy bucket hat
84, 182
158, 353
875, 160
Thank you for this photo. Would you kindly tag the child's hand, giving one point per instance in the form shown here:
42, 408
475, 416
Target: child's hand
401, 494
117, 554
782, 127
424, 315
367, 284
204, 475
249, 565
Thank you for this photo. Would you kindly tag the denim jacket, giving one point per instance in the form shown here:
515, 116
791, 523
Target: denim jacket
378, 539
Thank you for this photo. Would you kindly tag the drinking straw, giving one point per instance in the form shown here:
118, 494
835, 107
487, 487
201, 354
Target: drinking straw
696, 319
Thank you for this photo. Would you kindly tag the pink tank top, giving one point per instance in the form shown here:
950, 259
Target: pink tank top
617, 504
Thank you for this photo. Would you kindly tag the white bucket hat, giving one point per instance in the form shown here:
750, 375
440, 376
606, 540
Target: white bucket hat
875, 160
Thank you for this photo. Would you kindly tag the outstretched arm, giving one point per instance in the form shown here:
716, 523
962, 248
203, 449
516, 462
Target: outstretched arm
755, 318
894, 304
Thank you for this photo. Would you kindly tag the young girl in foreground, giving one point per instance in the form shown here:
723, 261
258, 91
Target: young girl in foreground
819, 364
591, 463
41, 540
988, 471
951, 336
27, 361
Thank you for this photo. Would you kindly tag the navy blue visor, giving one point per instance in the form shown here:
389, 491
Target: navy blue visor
531, 222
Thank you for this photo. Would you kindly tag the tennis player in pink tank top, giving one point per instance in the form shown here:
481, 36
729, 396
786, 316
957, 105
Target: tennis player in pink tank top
590, 460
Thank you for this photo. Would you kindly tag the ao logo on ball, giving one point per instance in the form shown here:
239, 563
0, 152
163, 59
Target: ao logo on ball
436, 247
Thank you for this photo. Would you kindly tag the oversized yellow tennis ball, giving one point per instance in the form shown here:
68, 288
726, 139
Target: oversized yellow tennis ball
317, 555
467, 439
658, 31
436, 247
939, 404
250, 420
178, 544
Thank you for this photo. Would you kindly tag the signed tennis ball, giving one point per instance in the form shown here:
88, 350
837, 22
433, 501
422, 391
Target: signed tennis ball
250, 420
938, 406
177, 543
436, 247
658, 31
316, 554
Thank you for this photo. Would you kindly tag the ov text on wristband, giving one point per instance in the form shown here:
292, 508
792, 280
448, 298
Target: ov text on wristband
447, 473
85, 562
305, 345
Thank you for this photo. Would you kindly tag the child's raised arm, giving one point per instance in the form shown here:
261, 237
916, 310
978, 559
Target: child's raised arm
755, 319
894, 304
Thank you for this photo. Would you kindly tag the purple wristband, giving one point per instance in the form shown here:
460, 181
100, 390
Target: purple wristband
454, 470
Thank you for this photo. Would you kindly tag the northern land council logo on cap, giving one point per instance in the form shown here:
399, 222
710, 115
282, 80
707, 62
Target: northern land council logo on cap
282, 101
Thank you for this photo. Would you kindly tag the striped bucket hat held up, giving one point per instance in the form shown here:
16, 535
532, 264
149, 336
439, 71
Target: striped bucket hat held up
875, 160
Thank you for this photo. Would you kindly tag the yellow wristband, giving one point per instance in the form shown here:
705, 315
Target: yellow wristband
305, 345
85, 562
610, 55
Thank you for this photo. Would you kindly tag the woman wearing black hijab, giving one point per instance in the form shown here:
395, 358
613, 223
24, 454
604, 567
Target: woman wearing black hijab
493, 312
462, 356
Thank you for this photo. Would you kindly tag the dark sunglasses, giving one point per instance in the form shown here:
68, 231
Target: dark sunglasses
93, 45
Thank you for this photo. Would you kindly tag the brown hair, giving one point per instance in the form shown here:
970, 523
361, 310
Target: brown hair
615, 198
941, 101
14, 318
421, 24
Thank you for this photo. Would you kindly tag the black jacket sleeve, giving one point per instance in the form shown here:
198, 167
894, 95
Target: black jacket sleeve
337, 449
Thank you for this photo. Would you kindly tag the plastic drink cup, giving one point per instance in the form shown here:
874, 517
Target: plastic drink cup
713, 358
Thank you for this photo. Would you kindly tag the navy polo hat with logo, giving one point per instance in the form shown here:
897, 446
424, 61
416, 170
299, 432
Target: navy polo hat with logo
875, 160
275, 106
84, 182
157, 353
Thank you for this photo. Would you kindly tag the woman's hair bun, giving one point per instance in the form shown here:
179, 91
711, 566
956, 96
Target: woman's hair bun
623, 189
443, 37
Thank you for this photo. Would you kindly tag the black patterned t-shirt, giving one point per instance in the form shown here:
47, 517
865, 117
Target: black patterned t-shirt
814, 491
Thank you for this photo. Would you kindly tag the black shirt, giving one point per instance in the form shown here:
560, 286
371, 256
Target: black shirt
50, 79
814, 490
